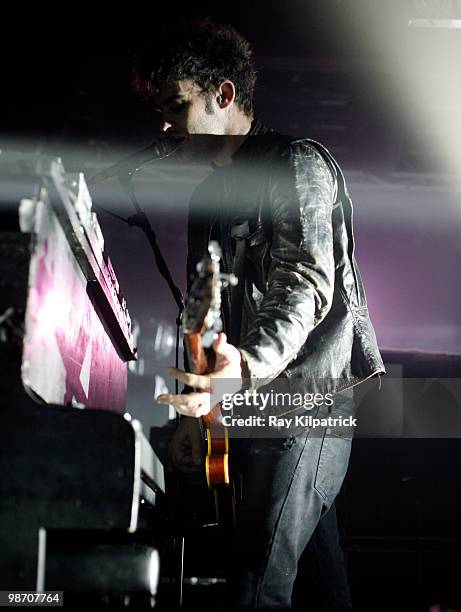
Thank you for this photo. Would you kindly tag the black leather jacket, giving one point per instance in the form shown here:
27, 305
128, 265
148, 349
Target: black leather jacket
304, 314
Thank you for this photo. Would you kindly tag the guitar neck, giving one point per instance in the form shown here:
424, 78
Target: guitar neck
201, 363
195, 353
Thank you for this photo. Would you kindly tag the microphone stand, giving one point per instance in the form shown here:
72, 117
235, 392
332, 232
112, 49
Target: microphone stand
139, 219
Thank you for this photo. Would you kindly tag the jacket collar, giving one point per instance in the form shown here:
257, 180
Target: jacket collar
257, 128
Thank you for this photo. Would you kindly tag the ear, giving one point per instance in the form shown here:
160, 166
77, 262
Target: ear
226, 94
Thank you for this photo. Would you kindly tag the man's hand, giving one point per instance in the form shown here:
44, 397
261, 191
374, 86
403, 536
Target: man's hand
228, 365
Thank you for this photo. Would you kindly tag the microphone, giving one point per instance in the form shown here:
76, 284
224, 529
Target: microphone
158, 149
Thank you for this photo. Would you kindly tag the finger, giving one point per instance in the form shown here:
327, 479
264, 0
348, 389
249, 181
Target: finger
220, 343
190, 404
194, 411
184, 401
196, 381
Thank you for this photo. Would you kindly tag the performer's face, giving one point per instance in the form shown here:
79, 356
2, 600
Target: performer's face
190, 113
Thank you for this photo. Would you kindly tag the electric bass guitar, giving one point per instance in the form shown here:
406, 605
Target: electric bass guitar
201, 324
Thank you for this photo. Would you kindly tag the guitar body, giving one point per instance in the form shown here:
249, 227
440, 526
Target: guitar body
215, 444
217, 457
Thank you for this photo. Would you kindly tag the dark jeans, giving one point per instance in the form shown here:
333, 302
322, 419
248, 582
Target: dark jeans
289, 485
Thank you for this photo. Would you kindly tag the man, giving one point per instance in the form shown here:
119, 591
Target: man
301, 317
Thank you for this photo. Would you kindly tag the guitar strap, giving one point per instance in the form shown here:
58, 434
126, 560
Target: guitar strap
239, 233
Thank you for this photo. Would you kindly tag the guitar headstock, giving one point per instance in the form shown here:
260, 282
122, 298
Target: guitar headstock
202, 313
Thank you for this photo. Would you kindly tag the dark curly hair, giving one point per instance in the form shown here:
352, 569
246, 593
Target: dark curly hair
201, 50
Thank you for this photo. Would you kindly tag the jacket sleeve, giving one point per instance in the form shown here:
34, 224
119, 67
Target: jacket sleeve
300, 283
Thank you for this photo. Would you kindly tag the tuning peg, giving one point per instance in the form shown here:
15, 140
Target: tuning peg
228, 279
214, 250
